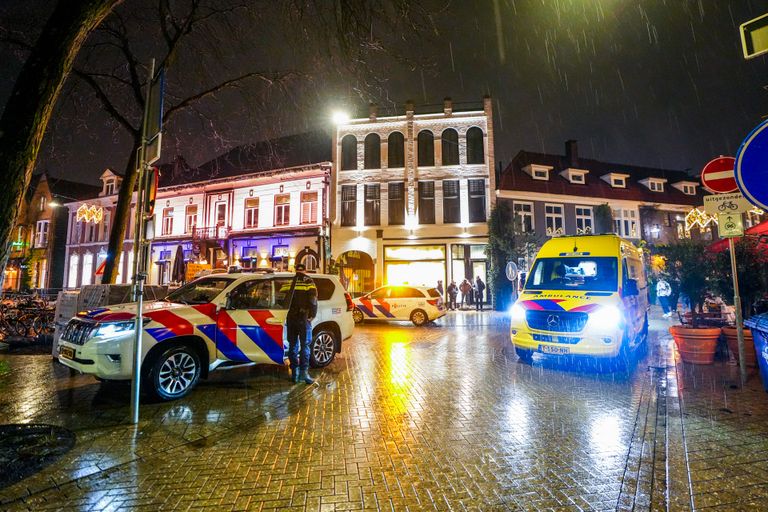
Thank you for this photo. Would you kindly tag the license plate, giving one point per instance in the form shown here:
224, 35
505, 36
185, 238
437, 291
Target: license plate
549, 349
67, 352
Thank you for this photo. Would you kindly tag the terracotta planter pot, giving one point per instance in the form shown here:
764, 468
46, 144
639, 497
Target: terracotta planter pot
696, 345
750, 356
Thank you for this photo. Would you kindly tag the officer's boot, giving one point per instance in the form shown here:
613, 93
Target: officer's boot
295, 375
306, 378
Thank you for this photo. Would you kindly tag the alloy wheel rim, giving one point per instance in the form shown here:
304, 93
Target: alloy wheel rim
323, 348
177, 373
418, 316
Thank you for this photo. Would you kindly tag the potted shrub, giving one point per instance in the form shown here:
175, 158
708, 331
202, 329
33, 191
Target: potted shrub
689, 265
752, 266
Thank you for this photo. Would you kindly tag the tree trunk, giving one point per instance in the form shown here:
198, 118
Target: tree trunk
29, 107
121, 218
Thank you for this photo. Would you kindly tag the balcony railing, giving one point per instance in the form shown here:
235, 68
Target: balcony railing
210, 233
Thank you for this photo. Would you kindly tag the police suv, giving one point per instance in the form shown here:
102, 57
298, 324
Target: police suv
221, 320
418, 304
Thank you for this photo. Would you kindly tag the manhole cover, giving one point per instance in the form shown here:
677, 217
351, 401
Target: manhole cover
27, 448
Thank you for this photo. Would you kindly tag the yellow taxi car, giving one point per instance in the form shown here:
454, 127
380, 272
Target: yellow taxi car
584, 295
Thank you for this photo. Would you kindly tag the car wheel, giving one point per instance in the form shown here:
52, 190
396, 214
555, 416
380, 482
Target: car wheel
174, 373
357, 316
323, 348
525, 356
419, 318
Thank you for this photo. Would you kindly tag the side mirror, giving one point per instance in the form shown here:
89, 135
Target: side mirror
630, 288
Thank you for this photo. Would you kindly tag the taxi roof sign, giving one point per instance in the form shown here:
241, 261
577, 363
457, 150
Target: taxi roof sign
754, 36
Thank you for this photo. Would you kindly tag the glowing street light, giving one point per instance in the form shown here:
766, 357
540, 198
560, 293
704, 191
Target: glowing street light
340, 117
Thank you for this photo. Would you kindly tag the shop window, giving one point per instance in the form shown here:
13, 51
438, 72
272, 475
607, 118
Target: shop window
395, 150
426, 202
396, 205
553, 219
372, 154
451, 203
349, 153
251, 212
282, 209
426, 149
190, 218
475, 150
309, 207
41, 233
167, 221
476, 200
450, 147
372, 205
584, 220
524, 216
348, 205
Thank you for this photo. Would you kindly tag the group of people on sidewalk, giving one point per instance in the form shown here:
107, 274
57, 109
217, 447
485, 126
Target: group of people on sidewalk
471, 293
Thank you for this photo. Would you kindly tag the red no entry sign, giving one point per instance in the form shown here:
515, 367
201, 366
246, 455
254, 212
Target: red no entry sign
717, 176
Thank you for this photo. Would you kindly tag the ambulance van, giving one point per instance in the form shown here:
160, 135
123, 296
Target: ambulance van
584, 295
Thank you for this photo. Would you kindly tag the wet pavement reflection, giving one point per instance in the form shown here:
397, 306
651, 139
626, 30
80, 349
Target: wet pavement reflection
436, 418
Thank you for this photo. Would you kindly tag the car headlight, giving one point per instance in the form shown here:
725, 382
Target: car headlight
114, 329
517, 312
607, 317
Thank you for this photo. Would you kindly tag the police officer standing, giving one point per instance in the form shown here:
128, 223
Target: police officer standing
301, 312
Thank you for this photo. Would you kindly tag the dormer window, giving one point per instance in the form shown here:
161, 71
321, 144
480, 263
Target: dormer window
615, 179
109, 187
575, 176
686, 187
538, 172
689, 190
654, 184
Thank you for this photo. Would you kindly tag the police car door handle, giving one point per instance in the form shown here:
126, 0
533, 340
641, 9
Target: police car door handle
274, 321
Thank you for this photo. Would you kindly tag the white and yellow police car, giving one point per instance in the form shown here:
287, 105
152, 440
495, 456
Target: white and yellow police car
419, 304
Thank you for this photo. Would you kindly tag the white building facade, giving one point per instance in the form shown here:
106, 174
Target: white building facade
271, 219
412, 195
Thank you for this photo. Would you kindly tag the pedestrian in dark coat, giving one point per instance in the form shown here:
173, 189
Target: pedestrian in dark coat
453, 291
479, 289
466, 289
440, 287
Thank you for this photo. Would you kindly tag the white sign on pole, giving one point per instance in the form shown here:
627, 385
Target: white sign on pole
511, 271
730, 224
726, 203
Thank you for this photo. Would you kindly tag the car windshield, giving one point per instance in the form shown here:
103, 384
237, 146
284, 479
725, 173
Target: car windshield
201, 291
574, 273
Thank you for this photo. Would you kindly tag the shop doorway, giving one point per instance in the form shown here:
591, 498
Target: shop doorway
356, 272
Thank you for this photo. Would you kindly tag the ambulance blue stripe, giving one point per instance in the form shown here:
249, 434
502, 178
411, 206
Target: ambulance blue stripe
264, 342
549, 305
366, 311
384, 311
223, 344
160, 333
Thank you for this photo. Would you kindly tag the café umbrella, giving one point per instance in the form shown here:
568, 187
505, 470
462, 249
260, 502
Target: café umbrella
178, 271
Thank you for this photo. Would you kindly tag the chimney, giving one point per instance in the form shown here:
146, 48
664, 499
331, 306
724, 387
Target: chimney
572, 153
409, 108
373, 110
447, 106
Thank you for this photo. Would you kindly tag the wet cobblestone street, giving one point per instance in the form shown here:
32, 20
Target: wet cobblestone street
443, 417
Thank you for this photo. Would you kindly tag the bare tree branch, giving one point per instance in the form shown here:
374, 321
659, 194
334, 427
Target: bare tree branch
105, 101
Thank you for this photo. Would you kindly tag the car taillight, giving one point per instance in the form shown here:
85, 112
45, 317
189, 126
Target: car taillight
350, 304
434, 302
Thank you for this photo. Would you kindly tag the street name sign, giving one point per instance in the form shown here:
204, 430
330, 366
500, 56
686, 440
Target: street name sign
730, 224
754, 36
717, 176
752, 166
726, 203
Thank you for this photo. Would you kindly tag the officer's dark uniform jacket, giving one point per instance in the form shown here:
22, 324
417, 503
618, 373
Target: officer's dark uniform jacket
304, 303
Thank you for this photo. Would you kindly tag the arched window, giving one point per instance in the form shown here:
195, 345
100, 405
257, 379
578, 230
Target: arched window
426, 142
475, 149
372, 158
450, 143
395, 150
349, 153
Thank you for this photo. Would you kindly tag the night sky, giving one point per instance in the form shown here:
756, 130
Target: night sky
658, 83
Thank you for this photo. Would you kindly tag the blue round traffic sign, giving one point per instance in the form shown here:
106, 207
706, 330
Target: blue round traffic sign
752, 167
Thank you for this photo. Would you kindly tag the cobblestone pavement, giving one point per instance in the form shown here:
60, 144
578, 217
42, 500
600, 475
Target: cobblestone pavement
437, 418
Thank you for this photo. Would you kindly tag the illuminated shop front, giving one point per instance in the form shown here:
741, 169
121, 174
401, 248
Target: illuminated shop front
420, 265
468, 261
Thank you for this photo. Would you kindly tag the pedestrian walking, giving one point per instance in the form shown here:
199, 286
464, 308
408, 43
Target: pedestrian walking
664, 292
465, 288
479, 289
440, 287
453, 291
301, 311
